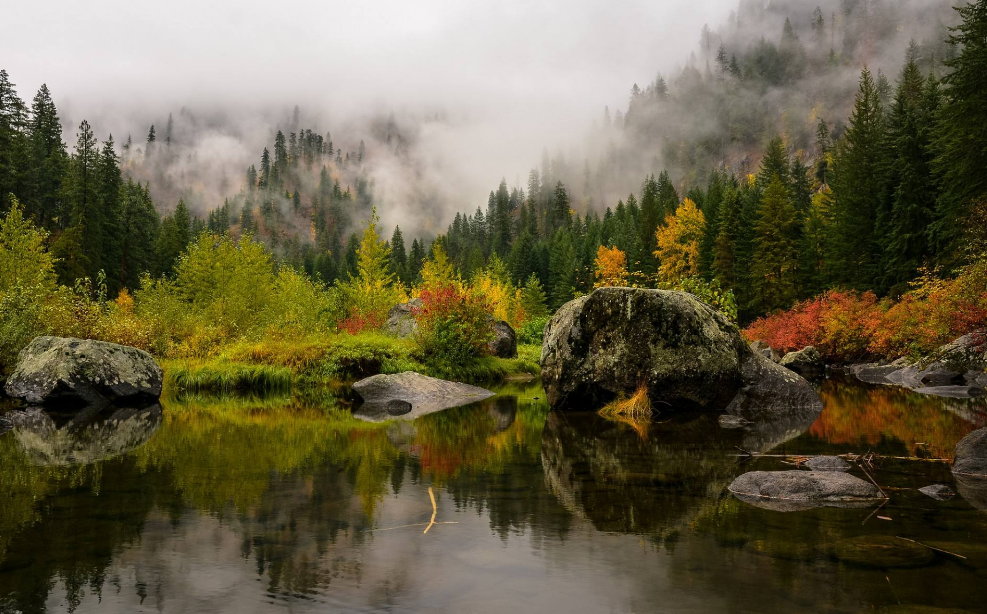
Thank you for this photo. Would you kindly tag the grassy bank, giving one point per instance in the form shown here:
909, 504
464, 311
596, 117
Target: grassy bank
275, 366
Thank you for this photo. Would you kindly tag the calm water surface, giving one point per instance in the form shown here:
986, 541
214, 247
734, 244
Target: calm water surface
213, 505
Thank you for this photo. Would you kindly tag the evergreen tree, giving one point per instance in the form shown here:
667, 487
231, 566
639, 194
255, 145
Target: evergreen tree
533, 298
725, 244
399, 257
775, 258
82, 195
561, 269
961, 140
139, 226
48, 160
109, 182
13, 143
176, 234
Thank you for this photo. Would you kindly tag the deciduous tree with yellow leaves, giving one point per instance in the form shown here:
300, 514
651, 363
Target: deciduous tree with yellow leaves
610, 267
678, 243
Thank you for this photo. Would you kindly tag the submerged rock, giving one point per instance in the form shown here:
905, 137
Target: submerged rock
91, 436
939, 492
789, 491
401, 318
971, 455
383, 395
827, 463
687, 355
882, 551
953, 392
728, 421
504, 342
807, 362
60, 369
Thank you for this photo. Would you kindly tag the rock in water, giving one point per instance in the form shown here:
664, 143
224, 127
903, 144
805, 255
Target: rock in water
806, 362
728, 421
387, 396
971, 455
614, 340
827, 463
60, 369
401, 318
939, 492
789, 491
504, 342
882, 551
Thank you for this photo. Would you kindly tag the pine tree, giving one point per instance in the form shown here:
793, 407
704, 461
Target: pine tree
533, 298
109, 182
774, 163
13, 143
175, 235
149, 146
81, 193
399, 257
725, 243
775, 257
856, 182
561, 269
48, 160
265, 170
961, 140
139, 227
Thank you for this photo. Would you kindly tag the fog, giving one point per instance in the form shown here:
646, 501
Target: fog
506, 78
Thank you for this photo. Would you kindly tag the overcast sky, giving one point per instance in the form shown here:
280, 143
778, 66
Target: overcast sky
526, 74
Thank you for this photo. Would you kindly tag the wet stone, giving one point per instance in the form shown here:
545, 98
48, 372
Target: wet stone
883, 552
729, 421
939, 492
827, 463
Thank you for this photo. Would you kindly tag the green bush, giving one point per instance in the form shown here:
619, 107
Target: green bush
533, 331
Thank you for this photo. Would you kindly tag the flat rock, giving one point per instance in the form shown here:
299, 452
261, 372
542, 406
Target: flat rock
827, 463
387, 396
883, 552
939, 492
970, 458
872, 373
64, 369
790, 491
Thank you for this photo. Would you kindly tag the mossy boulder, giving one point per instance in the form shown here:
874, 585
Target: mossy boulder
807, 362
687, 354
65, 370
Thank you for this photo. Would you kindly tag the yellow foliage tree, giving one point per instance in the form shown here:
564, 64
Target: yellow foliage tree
372, 291
437, 270
678, 243
610, 267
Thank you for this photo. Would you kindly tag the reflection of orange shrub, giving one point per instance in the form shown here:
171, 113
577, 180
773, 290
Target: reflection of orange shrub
889, 418
848, 325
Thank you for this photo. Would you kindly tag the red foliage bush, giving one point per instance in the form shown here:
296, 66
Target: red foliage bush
454, 326
357, 322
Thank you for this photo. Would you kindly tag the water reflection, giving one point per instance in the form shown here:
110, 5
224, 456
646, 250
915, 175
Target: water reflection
248, 504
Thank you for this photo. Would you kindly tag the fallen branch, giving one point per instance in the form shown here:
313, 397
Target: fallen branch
932, 547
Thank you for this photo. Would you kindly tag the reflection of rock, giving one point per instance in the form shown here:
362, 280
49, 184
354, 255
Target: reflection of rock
401, 318
688, 355
882, 551
939, 492
732, 422
953, 392
503, 410
971, 455
504, 341
59, 369
762, 348
827, 463
973, 490
790, 491
86, 438
425, 394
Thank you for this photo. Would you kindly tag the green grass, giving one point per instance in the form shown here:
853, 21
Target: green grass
275, 366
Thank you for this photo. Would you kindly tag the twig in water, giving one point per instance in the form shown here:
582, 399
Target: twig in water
876, 510
883, 494
431, 496
932, 547
892, 590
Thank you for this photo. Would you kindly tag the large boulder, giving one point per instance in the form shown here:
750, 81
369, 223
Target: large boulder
971, 455
409, 395
968, 352
807, 362
401, 318
687, 355
67, 370
504, 341
795, 490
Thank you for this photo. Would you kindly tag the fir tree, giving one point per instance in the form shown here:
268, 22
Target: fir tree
775, 258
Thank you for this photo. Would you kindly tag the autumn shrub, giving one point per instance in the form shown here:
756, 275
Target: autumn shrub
453, 325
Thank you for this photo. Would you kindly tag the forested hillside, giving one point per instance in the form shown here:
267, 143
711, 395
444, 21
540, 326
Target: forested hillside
802, 147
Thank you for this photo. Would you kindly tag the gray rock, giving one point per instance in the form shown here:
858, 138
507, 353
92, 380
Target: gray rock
806, 362
688, 355
970, 458
401, 318
59, 369
383, 394
965, 353
939, 492
872, 373
504, 342
909, 377
789, 491
827, 463
973, 489
939, 374
762, 348
953, 392
96, 434
729, 421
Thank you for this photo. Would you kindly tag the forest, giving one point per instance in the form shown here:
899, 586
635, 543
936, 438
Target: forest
862, 228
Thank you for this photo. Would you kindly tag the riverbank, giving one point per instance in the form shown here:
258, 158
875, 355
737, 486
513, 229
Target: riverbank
274, 366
